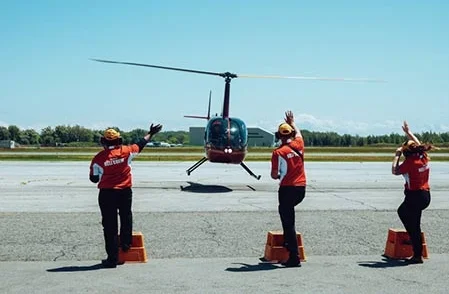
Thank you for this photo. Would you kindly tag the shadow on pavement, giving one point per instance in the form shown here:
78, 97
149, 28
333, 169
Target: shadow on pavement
384, 263
199, 188
76, 268
262, 266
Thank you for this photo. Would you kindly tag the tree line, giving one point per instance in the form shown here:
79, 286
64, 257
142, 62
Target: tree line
74, 136
334, 139
64, 135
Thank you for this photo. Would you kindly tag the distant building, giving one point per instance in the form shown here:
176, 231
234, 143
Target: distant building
256, 137
10, 144
196, 136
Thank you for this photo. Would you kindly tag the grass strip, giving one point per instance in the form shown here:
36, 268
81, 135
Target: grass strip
187, 157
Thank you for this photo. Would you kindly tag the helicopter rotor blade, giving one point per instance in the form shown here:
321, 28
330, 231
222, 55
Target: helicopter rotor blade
161, 67
311, 78
231, 75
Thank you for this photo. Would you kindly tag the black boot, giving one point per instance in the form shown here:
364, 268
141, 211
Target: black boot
108, 263
292, 261
415, 260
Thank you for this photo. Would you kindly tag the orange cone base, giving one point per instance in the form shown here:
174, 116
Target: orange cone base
398, 245
275, 251
136, 252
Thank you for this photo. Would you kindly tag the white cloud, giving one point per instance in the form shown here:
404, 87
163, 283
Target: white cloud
37, 127
363, 128
444, 128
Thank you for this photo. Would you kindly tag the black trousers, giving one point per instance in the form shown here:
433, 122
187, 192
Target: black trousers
289, 197
111, 201
410, 212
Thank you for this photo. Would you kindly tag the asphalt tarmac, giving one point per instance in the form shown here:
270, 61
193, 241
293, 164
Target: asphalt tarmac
204, 233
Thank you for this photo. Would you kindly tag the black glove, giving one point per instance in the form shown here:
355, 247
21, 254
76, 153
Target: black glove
155, 129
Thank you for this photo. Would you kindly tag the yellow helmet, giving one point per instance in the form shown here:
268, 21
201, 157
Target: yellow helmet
285, 129
111, 134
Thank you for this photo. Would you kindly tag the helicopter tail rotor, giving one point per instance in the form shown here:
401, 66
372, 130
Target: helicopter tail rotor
208, 110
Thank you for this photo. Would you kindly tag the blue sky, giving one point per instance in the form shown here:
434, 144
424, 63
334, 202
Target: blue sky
47, 79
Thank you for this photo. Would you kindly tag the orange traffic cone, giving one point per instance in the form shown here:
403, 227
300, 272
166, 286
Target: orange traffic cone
136, 252
398, 245
275, 251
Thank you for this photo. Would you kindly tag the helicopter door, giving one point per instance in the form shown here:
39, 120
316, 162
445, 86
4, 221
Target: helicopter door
216, 133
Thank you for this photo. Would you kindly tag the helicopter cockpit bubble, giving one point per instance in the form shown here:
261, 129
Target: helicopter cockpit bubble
228, 133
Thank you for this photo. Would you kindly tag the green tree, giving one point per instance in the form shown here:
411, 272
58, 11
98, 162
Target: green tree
29, 136
48, 136
14, 133
79, 134
135, 135
395, 139
346, 140
360, 141
61, 134
445, 137
97, 134
431, 137
4, 133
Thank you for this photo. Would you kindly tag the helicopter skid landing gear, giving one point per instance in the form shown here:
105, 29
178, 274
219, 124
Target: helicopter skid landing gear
249, 171
196, 165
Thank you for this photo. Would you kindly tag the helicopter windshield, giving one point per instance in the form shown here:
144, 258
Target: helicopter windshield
231, 132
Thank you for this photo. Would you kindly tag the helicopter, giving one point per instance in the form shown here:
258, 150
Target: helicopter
226, 138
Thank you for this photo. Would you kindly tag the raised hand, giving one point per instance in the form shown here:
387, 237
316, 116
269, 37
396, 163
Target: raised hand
405, 127
154, 129
409, 133
289, 118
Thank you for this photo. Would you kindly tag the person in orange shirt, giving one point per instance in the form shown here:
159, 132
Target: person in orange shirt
415, 168
111, 169
287, 165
